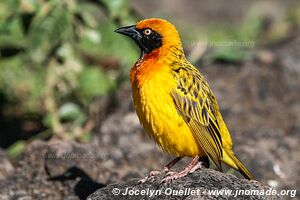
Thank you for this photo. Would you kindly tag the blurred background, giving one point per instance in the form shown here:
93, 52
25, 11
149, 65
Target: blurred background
64, 79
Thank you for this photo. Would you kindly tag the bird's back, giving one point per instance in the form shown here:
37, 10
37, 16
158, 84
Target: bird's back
195, 90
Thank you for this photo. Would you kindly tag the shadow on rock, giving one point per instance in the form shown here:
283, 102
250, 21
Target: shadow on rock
85, 185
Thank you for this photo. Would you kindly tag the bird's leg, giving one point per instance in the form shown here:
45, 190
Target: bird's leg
166, 168
190, 168
171, 164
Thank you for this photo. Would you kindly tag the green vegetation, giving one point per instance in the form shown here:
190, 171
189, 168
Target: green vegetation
53, 56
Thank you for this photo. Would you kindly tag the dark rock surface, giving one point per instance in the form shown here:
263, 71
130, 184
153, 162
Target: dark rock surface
36, 175
202, 184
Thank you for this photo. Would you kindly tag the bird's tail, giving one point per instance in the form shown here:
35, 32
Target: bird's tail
230, 159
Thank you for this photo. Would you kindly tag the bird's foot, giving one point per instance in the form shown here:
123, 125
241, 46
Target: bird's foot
199, 165
153, 174
167, 168
171, 176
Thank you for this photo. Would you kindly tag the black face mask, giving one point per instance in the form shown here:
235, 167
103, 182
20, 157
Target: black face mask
146, 38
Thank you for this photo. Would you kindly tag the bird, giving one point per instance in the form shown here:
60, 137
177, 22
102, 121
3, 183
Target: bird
175, 103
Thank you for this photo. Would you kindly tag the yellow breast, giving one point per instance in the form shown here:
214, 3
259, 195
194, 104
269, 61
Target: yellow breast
157, 113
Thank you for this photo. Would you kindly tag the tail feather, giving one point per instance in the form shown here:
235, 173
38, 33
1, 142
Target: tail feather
231, 160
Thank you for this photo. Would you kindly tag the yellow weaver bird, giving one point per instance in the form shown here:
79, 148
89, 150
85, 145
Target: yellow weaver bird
174, 102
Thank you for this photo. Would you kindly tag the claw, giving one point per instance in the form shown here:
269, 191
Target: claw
170, 173
143, 180
154, 173
151, 176
174, 176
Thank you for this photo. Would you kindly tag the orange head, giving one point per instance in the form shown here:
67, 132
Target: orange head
152, 34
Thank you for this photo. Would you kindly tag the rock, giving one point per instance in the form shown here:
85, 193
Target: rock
55, 170
202, 184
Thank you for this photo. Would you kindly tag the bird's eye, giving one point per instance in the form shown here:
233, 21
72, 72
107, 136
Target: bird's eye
147, 31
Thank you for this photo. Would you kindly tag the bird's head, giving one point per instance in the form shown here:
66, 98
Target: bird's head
152, 34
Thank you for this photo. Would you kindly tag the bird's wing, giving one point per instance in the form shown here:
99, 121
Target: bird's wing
196, 104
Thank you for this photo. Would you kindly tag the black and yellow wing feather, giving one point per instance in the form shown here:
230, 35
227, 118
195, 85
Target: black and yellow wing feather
197, 105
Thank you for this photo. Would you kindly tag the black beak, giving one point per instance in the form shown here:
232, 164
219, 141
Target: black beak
129, 31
